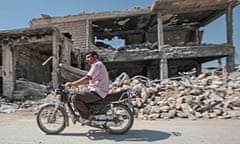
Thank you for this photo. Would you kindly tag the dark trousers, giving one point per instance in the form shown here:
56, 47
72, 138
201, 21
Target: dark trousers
81, 99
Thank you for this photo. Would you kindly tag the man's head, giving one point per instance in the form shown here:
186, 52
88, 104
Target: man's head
91, 57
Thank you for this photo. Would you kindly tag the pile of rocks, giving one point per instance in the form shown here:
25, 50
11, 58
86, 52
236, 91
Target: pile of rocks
209, 95
27, 97
7, 106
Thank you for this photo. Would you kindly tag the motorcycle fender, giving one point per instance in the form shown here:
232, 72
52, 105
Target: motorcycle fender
46, 104
130, 107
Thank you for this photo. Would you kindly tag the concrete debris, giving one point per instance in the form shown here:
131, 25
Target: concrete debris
27, 96
142, 46
5, 108
205, 96
29, 90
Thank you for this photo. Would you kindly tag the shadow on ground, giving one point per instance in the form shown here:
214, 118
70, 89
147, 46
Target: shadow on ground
133, 135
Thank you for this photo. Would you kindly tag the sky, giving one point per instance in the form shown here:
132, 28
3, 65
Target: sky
16, 14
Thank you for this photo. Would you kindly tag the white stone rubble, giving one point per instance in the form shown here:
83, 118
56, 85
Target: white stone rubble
206, 96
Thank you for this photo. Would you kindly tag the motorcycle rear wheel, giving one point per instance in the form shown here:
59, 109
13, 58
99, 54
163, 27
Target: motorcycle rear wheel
49, 122
123, 122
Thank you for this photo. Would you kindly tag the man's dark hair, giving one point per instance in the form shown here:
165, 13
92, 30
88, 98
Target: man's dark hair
93, 53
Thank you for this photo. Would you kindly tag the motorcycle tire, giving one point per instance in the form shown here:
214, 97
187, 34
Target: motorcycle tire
49, 123
124, 112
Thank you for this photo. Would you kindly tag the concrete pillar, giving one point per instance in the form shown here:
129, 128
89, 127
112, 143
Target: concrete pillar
56, 60
66, 51
87, 34
8, 71
163, 62
163, 68
198, 69
230, 58
160, 31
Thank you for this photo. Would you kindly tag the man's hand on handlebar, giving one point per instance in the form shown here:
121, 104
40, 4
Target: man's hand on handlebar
68, 84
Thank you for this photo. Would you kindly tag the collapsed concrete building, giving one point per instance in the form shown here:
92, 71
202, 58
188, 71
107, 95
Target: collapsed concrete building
159, 42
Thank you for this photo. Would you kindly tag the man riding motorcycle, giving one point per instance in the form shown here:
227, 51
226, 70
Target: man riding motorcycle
98, 86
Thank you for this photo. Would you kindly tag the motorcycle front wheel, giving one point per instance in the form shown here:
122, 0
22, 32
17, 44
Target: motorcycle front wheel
51, 121
122, 121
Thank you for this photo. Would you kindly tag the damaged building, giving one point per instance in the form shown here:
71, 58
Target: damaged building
158, 42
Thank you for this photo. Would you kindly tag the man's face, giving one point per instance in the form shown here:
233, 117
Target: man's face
90, 58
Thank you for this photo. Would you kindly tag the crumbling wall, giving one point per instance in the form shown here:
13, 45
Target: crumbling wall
137, 29
177, 37
151, 36
29, 66
76, 29
81, 32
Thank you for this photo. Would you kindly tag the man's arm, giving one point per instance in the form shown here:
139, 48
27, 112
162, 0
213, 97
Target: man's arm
83, 80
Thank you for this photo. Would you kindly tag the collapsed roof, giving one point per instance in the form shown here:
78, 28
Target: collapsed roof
184, 13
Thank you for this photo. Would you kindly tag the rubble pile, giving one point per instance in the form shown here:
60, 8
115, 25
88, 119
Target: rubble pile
143, 46
7, 106
146, 45
27, 97
207, 96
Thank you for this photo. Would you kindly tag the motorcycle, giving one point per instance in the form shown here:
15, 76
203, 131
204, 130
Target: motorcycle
114, 113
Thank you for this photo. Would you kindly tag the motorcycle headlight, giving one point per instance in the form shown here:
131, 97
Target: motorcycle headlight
57, 94
59, 97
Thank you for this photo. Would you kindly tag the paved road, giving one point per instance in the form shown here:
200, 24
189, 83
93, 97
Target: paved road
21, 128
